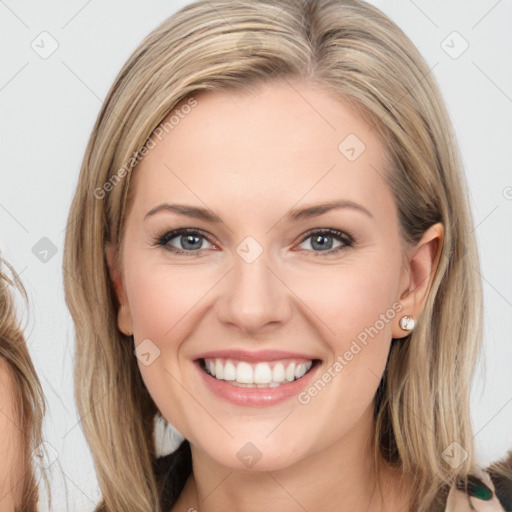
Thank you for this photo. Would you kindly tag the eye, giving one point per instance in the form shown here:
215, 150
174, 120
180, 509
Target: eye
321, 241
189, 241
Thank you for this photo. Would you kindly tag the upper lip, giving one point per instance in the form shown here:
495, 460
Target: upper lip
254, 356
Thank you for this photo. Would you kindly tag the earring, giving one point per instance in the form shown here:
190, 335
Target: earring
407, 323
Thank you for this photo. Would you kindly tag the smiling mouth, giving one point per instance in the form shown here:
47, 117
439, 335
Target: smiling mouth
270, 374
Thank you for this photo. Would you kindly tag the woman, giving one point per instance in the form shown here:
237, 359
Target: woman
263, 133
21, 405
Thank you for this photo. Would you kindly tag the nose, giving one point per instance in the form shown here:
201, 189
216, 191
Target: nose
254, 297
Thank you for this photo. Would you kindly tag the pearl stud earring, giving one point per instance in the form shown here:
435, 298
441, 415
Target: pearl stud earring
407, 323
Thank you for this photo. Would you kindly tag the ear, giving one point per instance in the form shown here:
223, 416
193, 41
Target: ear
124, 318
417, 276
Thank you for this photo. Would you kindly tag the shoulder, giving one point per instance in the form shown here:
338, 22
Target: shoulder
482, 498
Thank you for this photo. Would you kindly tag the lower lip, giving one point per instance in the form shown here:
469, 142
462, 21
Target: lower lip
256, 397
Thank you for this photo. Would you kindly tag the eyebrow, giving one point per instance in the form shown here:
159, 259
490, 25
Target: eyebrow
292, 216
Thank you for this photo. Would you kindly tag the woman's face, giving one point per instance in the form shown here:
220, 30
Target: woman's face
266, 283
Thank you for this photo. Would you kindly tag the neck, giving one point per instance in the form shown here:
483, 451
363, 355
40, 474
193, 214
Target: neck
341, 478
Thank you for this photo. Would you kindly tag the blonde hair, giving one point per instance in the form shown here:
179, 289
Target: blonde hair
353, 51
28, 398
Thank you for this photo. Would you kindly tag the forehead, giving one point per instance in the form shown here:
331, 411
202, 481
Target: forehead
274, 144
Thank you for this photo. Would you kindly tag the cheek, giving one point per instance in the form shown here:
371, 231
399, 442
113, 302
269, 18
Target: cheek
162, 296
165, 302
350, 298
356, 309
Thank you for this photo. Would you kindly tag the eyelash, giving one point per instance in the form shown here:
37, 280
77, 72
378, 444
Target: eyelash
345, 238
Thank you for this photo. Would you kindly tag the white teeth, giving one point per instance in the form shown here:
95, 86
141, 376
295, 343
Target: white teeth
278, 373
244, 373
260, 375
290, 372
302, 369
219, 370
229, 371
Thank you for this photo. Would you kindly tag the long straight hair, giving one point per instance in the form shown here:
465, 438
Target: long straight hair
356, 53
27, 393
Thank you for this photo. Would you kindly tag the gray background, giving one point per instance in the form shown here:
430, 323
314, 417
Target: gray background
49, 106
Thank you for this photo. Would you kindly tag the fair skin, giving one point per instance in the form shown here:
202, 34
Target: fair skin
250, 158
11, 474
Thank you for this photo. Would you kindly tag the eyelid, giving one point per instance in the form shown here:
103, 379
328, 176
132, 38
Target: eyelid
171, 234
329, 231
